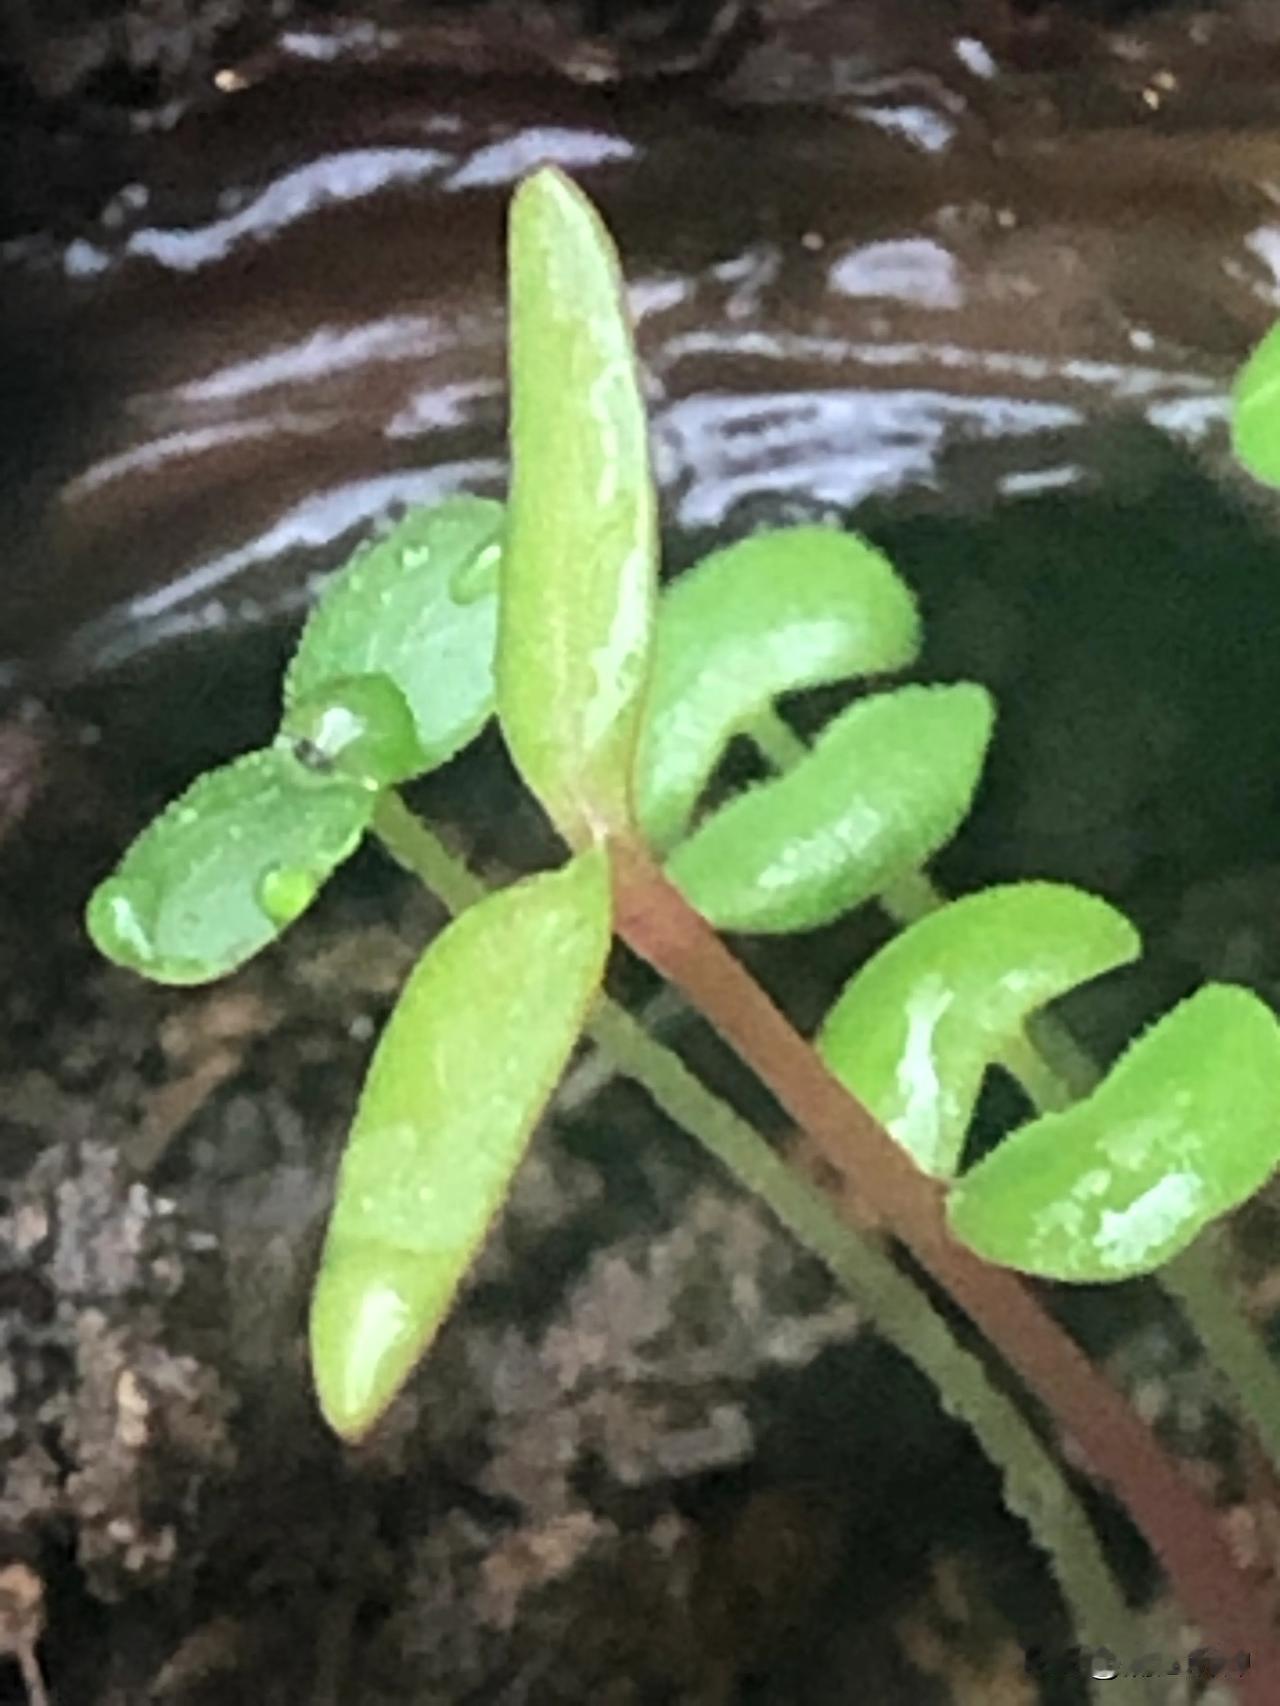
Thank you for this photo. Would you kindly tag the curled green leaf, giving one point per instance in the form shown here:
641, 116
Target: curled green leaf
462, 1072
916, 1028
580, 565
1255, 411
226, 867
419, 607
885, 786
1185, 1127
773, 614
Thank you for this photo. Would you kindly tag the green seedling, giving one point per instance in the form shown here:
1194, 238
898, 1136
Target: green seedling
618, 707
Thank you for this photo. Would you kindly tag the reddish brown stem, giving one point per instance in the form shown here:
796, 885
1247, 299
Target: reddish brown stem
1180, 1525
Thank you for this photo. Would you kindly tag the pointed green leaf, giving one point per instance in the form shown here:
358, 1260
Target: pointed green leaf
226, 867
917, 1027
1185, 1127
579, 569
886, 785
778, 612
462, 1072
1255, 410
421, 607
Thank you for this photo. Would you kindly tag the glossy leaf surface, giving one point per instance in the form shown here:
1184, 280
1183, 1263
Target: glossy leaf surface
462, 1072
226, 867
420, 607
579, 568
885, 786
916, 1028
1255, 410
770, 615
1185, 1127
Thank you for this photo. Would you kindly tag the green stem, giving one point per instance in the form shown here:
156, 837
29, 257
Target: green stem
776, 739
412, 845
1198, 1280
1054, 1071
1036, 1487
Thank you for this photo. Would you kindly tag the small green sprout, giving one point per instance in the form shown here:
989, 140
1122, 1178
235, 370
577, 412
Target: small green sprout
618, 708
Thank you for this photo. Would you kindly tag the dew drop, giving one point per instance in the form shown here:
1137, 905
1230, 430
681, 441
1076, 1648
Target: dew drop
285, 892
371, 1316
1103, 1666
119, 924
477, 578
359, 727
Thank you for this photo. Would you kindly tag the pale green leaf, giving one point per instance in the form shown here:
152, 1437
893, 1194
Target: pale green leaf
1184, 1128
580, 564
226, 867
885, 786
1255, 410
916, 1029
462, 1072
770, 615
419, 606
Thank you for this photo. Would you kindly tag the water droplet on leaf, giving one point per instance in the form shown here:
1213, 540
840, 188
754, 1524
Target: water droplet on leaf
367, 1332
118, 924
359, 727
285, 892
478, 577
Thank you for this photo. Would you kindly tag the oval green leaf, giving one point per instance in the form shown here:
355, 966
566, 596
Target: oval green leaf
916, 1029
886, 785
419, 606
773, 614
1255, 410
580, 564
226, 867
462, 1072
1185, 1127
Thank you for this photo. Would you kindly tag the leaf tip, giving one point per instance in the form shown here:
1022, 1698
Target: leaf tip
367, 1334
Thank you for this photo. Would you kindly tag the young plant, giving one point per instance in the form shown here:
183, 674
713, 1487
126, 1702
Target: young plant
617, 707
